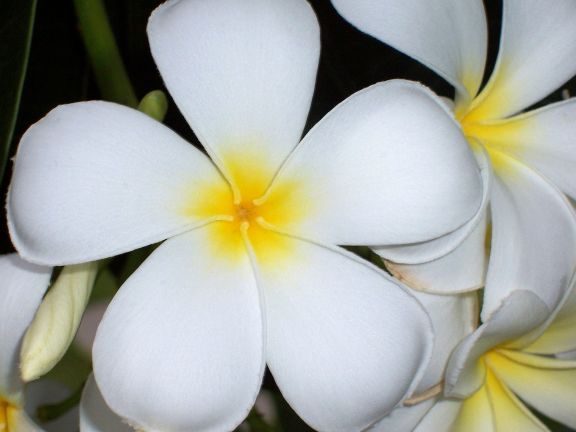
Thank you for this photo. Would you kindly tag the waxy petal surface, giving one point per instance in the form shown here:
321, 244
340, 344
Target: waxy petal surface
181, 346
448, 36
533, 237
95, 179
519, 313
242, 73
547, 384
542, 139
387, 166
537, 55
461, 270
95, 415
23, 285
346, 343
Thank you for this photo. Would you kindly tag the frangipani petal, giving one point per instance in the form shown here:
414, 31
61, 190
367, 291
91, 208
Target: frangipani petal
542, 139
18, 420
387, 166
242, 72
449, 245
95, 415
442, 417
185, 309
453, 318
346, 343
537, 55
403, 418
57, 319
23, 285
547, 384
508, 412
475, 414
518, 314
461, 270
450, 37
533, 238
95, 179
559, 335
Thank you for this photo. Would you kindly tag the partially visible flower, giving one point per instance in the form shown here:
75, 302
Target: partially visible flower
23, 285
250, 273
533, 154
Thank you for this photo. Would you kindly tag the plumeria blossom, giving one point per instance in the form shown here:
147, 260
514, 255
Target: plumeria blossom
23, 286
454, 317
504, 361
532, 154
250, 273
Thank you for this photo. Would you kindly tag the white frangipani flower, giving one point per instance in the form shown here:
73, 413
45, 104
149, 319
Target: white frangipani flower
250, 272
533, 225
23, 285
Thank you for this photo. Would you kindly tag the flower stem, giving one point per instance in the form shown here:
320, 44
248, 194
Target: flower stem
100, 44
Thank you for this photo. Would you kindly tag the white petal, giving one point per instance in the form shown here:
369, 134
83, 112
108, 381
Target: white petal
387, 166
519, 313
474, 414
449, 245
542, 139
558, 336
453, 318
403, 418
94, 179
23, 285
533, 238
441, 417
449, 36
547, 384
461, 270
95, 415
346, 343
537, 55
56, 322
241, 72
180, 347
508, 411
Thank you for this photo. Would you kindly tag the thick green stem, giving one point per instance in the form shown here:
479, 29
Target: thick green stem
100, 44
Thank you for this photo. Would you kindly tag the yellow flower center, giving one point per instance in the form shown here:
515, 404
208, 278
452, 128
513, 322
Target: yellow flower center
247, 212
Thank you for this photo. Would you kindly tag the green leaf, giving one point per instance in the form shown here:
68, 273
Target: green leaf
16, 25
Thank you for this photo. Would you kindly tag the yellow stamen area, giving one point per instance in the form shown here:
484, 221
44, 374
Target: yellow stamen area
7, 411
247, 212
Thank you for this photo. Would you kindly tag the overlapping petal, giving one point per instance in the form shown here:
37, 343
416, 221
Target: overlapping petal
23, 285
95, 179
181, 346
95, 415
559, 335
461, 270
450, 246
537, 55
508, 412
333, 323
241, 71
533, 238
519, 313
387, 166
441, 417
542, 139
403, 418
547, 384
450, 37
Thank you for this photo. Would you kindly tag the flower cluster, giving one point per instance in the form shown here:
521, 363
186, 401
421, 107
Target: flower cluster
464, 201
